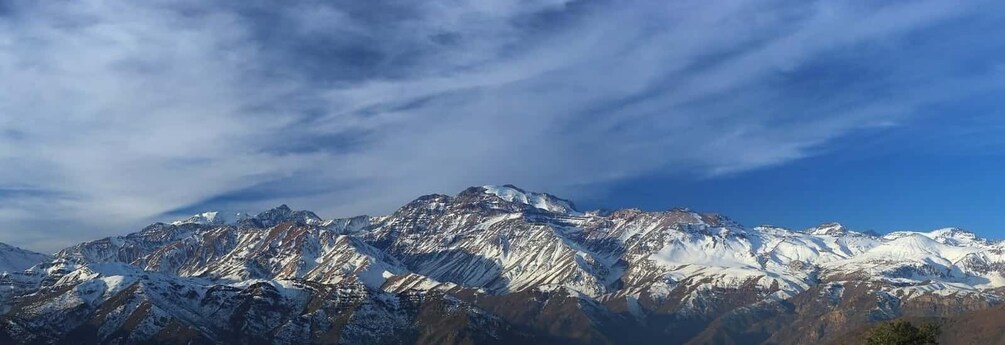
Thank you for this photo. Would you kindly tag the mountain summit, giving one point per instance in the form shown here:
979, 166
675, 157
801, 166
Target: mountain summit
540, 201
14, 259
492, 264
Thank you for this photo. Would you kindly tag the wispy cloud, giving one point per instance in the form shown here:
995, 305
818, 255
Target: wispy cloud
117, 112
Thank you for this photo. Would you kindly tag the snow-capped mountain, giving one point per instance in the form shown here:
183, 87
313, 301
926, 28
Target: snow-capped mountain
493, 264
14, 259
212, 218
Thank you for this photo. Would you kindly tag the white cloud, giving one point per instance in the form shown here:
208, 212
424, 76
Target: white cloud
126, 110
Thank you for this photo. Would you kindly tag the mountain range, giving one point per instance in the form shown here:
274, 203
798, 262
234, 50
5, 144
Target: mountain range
497, 265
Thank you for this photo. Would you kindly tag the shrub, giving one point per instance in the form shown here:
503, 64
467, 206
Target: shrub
903, 333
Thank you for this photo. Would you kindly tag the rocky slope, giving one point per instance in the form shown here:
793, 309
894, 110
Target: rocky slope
493, 264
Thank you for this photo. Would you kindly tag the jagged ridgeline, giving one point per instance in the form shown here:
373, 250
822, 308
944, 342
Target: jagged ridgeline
491, 265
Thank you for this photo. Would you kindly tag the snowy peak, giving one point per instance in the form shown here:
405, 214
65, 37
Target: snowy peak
828, 229
542, 201
950, 236
682, 214
954, 236
206, 218
837, 230
284, 214
212, 218
14, 259
490, 240
266, 219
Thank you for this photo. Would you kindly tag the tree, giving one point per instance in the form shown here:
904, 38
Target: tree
903, 333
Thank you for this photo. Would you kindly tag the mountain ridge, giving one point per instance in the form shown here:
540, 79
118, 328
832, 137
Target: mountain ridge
524, 265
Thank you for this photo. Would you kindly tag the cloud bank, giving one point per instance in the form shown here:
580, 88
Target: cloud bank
118, 113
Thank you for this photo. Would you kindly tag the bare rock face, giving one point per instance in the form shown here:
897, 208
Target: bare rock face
493, 264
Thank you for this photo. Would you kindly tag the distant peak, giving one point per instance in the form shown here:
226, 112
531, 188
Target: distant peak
828, 229
715, 219
953, 231
282, 207
543, 201
268, 218
213, 218
205, 218
953, 236
278, 211
14, 259
283, 213
950, 236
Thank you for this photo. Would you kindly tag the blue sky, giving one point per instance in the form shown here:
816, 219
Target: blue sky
883, 115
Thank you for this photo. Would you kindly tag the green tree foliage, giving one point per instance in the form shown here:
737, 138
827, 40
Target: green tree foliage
903, 333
